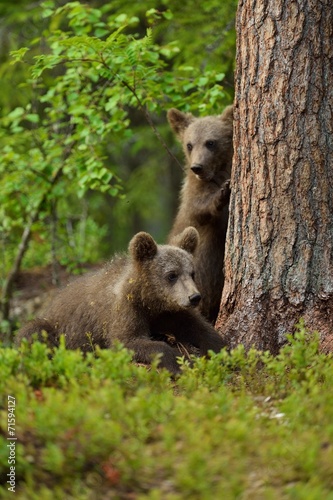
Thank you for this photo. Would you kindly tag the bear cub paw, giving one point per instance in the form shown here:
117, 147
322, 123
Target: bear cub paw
224, 194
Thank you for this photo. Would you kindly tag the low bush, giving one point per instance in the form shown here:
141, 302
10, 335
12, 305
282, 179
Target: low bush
239, 425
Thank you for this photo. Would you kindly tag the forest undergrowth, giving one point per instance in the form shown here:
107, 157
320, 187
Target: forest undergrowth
235, 426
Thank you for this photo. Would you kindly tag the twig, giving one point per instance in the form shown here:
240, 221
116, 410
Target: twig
151, 123
7, 290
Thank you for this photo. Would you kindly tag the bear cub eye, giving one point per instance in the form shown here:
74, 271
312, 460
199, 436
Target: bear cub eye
172, 277
210, 144
189, 147
193, 276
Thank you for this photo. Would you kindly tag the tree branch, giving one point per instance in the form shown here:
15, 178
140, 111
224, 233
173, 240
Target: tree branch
7, 290
151, 123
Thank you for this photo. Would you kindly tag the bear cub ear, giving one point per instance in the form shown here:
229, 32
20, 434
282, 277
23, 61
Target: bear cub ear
179, 121
228, 114
142, 247
188, 240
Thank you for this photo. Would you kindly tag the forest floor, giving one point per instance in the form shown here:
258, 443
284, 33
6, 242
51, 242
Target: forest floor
239, 426
34, 288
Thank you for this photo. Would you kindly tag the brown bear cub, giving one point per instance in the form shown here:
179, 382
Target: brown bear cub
135, 299
204, 199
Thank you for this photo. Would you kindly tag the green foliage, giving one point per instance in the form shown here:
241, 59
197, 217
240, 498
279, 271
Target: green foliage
238, 425
94, 81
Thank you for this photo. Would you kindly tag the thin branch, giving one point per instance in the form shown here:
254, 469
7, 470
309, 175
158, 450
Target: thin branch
151, 123
8, 286
7, 290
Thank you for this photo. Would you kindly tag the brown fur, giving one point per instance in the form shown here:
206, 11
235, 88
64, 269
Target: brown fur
136, 297
204, 200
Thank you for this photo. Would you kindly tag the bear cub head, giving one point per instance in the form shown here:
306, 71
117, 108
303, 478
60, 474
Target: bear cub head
166, 272
207, 143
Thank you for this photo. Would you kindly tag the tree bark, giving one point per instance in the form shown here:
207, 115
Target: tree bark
279, 251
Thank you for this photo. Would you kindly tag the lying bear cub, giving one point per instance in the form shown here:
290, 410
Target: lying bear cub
134, 299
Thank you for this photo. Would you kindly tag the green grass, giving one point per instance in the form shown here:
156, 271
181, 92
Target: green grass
235, 426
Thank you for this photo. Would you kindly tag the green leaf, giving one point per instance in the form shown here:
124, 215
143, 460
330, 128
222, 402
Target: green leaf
16, 113
32, 117
202, 81
19, 54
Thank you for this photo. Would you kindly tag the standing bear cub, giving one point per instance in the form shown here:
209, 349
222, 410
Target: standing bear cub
136, 297
204, 200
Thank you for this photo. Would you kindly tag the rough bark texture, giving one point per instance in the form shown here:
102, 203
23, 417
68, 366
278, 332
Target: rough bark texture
279, 254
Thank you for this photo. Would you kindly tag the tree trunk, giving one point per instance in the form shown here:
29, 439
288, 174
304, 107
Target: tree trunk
279, 253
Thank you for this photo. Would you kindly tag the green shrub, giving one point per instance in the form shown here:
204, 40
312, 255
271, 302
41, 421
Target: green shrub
238, 425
